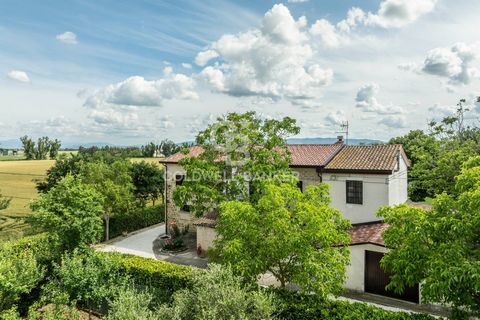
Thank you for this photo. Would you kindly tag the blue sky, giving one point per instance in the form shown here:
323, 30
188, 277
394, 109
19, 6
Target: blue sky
134, 71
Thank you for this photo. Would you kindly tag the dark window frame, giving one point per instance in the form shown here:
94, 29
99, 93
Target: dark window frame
300, 185
354, 191
179, 178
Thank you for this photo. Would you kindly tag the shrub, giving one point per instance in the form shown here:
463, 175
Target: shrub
131, 305
86, 278
161, 278
19, 273
136, 219
217, 294
293, 305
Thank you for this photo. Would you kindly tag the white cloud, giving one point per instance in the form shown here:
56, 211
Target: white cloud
394, 121
187, 65
274, 61
67, 37
297, 1
354, 17
453, 63
203, 57
366, 100
18, 75
408, 66
165, 122
335, 118
398, 13
136, 91
324, 30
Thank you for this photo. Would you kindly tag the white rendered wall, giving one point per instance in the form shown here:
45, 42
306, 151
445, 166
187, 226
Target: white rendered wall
356, 270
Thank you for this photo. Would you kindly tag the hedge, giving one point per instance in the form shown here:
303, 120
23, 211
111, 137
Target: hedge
164, 278
136, 219
292, 305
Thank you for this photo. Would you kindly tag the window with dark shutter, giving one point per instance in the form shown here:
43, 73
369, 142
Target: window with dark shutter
300, 185
179, 178
354, 192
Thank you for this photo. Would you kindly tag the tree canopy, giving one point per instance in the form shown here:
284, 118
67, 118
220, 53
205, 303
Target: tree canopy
439, 248
296, 236
438, 154
114, 183
148, 181
240, 150
41, 149
70, 212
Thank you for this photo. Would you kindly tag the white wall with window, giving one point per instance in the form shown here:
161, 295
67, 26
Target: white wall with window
358, 196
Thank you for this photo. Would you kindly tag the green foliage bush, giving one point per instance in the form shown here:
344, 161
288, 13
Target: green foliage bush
19, 274
132, 305
86, 278
161, 278
136, 219
293, 306
218, 294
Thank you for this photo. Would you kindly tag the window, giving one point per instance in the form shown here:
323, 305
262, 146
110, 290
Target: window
354, 192
300, 185
179, 178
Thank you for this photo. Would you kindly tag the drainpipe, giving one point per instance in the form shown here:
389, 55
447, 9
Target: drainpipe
166, 198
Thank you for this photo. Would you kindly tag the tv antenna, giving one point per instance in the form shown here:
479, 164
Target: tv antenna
344, 130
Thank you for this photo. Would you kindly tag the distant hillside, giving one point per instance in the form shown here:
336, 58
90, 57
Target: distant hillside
351, 141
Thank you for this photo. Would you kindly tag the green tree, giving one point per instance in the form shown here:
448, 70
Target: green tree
114, 183
53, 147
240, 150
64, 166
19, 274
439, 248
149, 149
296, 236
42, 148
28, 147
168, 147
148, 181
4, 202
70, 212
217, 294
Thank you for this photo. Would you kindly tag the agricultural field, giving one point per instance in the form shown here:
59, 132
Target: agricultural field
17, 180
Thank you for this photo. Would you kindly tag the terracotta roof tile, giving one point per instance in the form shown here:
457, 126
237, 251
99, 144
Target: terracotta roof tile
302, 154
368, 233
313, 154
370, 157
194, 151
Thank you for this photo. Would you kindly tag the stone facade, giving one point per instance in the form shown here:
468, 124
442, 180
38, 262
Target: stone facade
174, 213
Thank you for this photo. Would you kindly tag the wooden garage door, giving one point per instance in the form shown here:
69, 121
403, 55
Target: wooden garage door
376, 279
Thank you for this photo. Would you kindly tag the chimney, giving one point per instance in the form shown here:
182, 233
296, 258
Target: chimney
339, 139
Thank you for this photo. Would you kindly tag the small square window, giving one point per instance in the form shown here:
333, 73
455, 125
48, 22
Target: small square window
179, 178
354, 192
300, 185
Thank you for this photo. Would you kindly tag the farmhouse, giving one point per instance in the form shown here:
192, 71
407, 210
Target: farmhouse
361, 178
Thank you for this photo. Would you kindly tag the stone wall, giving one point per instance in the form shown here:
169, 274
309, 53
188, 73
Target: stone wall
182, 218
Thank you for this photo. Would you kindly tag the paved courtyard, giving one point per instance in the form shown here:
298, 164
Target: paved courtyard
147, 243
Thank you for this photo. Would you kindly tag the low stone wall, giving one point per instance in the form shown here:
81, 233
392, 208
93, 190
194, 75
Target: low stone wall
205, 237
